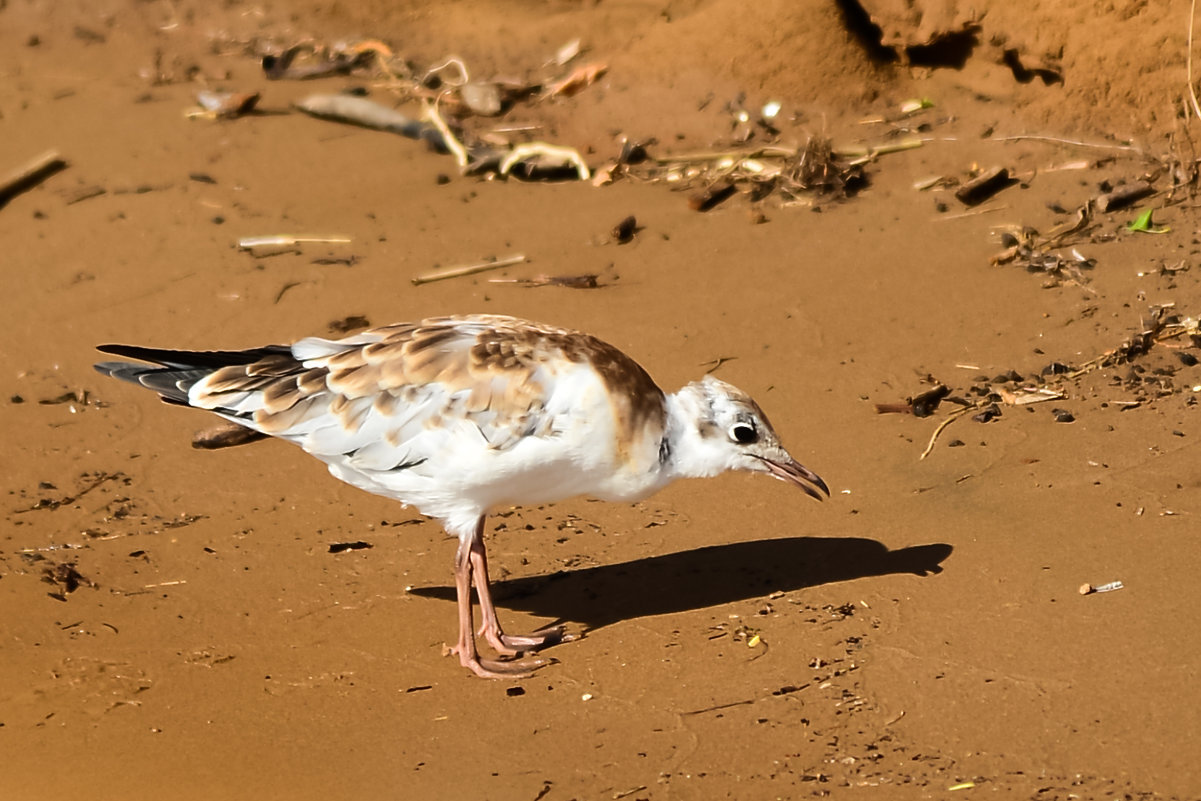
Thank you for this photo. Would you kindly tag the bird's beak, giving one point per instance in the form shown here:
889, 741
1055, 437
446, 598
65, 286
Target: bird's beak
792, 471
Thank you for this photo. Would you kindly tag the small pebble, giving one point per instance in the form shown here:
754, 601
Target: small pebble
624, 231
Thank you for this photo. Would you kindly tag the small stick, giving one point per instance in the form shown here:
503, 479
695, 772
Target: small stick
1192, 93
983, 186
711, 196
450, 61
364, 112
470, 269
865, 154
715, 155
952, 417
452, 144
1122, 196
1089, 589
31, 174
972, 213
1062, 141
586, 281
256, 243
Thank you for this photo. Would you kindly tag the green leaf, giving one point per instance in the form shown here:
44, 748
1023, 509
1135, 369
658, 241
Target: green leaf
1143, 223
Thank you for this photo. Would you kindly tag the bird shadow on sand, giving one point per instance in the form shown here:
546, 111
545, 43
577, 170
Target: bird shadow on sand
703, 577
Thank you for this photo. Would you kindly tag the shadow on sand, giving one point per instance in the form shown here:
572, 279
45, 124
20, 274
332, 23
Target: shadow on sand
712, 576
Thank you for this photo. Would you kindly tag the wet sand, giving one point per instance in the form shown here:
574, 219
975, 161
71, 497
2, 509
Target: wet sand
177, 624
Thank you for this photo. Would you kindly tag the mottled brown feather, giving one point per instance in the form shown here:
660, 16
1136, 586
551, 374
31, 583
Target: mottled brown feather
388, 348
352, 413
357, 381
278, 364
282, 421
312, 381
386, 403
485, 363
281, 394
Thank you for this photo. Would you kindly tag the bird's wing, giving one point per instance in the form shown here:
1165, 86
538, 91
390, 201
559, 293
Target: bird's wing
397, 395
391, 397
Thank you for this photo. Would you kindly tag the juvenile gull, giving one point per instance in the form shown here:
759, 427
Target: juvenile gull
460, 415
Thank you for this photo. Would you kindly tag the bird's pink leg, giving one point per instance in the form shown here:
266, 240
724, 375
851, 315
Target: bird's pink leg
507, 644
465, 647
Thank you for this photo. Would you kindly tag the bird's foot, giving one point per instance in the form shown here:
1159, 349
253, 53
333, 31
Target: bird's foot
499, 668
517, 644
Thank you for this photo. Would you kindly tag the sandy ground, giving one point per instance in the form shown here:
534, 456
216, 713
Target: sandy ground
177, 625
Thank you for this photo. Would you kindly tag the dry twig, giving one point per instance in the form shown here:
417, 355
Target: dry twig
452, 144
30, 174
1192, 93
470, 269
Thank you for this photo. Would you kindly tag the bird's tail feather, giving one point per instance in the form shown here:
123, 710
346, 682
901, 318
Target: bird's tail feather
171, 373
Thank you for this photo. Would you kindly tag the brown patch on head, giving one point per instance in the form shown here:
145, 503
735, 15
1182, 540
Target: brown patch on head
756, 411
748, 410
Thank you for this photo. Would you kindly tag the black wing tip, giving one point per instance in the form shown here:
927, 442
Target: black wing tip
107, 368
125, 371
193, 359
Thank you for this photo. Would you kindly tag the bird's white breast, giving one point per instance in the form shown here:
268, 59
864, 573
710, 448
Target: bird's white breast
581, 445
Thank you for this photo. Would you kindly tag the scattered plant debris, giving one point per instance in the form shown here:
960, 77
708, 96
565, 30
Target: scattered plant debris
1160, 326
586, 281
224, 105
30, 175
1038, 255
984, 186
1122, 196
469, 269
370, 114
1143, 224
1089, 589
275, 244
358, 545
89, 482
65, 576
352, 322
624, 231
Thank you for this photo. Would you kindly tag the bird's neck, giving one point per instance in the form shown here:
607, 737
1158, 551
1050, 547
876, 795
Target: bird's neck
684, 451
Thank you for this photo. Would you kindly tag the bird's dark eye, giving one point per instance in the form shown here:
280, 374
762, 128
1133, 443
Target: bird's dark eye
744, 434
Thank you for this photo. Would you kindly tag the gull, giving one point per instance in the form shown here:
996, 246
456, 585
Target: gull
457, 416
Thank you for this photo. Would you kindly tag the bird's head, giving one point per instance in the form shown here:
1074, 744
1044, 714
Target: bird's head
718, 427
